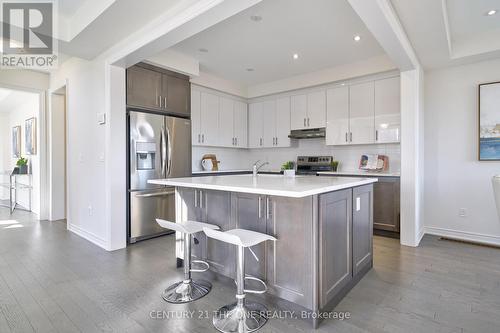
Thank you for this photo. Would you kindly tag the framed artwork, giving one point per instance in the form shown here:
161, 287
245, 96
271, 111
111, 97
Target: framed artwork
30, 136
16, 141
489, 121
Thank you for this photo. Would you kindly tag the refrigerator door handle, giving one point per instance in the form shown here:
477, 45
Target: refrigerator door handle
159, 194
163, 152
169, 151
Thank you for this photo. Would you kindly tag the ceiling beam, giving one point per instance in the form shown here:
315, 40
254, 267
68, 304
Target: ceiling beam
381, 19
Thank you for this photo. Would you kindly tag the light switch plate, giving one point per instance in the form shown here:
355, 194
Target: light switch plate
358, 204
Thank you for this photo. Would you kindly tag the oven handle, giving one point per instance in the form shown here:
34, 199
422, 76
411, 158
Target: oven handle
158, 194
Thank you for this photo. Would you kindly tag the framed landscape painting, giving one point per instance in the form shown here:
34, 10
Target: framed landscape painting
30, 136
489, 121
16, 141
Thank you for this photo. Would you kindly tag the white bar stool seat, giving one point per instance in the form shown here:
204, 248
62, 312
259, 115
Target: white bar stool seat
187, 290
241, 316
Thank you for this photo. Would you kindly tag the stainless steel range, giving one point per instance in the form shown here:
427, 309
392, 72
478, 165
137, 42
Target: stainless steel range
309, 165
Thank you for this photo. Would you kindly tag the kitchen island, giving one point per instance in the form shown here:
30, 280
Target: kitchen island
323, 226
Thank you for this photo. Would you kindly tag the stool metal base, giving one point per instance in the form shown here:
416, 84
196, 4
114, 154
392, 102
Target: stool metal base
247, 317
185, 292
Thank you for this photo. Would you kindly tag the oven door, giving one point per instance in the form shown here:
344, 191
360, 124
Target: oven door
146, 207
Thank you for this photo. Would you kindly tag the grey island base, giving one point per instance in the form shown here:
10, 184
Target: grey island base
324, 228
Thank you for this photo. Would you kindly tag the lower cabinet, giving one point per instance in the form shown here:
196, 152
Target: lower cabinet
362, 228
386, 207
335, 255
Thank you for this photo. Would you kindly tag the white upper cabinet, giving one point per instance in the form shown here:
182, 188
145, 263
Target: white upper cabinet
282, 122
240, 124
387, 110
298, 111
362, 113
269, 125
337, 116
255, 125
195, 117
209, 119
226, 122
316, 109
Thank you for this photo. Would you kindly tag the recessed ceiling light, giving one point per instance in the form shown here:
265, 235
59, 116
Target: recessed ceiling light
357, 38
204, 50
295, 56
491, 12
250, 69
256, 18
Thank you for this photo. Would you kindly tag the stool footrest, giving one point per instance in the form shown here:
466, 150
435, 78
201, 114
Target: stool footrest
252, 291
202, 269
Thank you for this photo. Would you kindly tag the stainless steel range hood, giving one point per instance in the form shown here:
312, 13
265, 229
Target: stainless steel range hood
310, 133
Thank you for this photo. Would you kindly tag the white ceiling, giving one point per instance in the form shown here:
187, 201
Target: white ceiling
68, 8
320, 31
451, 32
10, 99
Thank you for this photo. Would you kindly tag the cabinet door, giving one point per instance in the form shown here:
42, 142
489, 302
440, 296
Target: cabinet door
387, 110
247, 215
143, 87
290, 267
192, 211
241, 124
282, 122
335, 239
298, 112
176, 92
337, 116
316, 109
217, 209
362, 228
195, 117
386, 211
269, 126
362, 113
255, 122
209, 119
226, 123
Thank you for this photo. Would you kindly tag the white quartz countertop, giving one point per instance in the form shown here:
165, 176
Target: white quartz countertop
360, 173
279, 185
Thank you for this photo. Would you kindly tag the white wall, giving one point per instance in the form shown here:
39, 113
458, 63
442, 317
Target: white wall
86, 212
17, 117
454, 178
4, 152
349, 156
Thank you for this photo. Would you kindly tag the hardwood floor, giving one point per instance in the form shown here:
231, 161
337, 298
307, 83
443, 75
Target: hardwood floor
54, 281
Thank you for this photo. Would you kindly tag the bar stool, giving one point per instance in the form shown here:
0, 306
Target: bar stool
241, 316
187, 290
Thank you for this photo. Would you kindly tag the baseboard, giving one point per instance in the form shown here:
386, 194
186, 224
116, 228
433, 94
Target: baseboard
420, 235
464, 235
91, 237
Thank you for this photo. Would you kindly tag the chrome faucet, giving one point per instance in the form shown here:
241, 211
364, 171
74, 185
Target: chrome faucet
256, 168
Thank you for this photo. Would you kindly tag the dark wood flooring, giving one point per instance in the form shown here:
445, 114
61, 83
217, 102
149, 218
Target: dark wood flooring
54, 281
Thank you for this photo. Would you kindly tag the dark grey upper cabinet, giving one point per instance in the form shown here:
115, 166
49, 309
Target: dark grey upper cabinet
143, 87
152, 87
335, 211
362, 228
386, 210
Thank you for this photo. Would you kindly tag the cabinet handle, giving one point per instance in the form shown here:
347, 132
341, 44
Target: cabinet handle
260, 207
203, 138
235, 141
261, 141
350, 136
232, 141
376, 135
201, 199
308, 122
160, 101
165, 102
345, 136
268, 214
276, 141
199, 138
304, 122
195, 198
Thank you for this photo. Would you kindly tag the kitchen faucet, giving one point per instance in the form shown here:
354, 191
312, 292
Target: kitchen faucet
256, 168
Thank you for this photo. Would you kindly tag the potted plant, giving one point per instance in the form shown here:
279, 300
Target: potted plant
335, 165
288, 169
22, 164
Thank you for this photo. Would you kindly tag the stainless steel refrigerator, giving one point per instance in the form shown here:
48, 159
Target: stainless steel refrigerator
159, 147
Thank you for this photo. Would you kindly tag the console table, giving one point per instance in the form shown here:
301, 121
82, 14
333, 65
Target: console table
14, 185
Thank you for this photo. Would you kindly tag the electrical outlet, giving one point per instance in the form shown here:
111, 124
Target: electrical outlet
90, 210
462, 212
